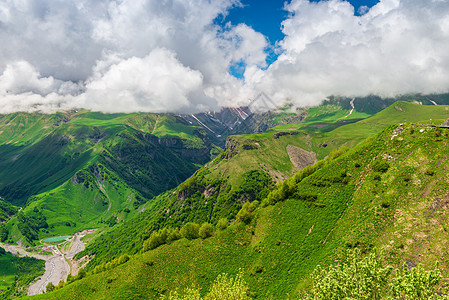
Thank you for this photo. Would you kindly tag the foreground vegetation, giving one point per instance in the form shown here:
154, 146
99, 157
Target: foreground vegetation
380, 195
17, 273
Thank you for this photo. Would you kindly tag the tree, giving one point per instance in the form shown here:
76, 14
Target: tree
50, 287
190, 231
206, 230
222, 224
224, 288
354, 278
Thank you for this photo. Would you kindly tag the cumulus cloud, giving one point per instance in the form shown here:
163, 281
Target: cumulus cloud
398, 47
157, 81
169, 56
164, 56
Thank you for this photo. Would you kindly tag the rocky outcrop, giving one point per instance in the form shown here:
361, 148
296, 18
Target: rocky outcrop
301, 158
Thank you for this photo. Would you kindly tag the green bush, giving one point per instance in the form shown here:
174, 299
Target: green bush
190, 231
246, 213
50, 287
123, 259
222, 224
224, 288
173, 235
380, 165
152, 242
81, 274
206, 230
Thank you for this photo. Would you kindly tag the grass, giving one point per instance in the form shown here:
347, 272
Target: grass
53, 148
16, 273
223, 177
356, 206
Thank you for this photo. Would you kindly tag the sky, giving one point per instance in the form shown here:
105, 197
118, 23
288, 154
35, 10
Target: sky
195, 55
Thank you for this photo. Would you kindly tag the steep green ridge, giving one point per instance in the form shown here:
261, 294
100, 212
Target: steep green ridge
387, 193
78, 169
16, 273
6, 210
221, 187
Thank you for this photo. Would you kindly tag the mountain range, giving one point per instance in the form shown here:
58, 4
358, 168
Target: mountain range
283, 191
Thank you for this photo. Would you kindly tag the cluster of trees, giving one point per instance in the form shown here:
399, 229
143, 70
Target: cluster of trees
4, 232
366, 277
112, 264
30, 224
189, 231
6, 210
225, 287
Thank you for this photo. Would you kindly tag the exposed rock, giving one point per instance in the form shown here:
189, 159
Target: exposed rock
300, 158
209, 192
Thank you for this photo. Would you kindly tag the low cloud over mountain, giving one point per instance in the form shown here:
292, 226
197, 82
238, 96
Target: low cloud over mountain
170, 56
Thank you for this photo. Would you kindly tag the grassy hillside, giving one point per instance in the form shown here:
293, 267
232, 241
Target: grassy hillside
16, 273
387, 193
249, 163
80, 169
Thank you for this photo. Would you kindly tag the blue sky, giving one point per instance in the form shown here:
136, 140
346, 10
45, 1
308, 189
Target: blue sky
266, 16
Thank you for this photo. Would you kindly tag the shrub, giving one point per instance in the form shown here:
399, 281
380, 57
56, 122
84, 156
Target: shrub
206, 230
70, 278
81, 274
173, 235
415, 283
222, 224
354, 278
123, 259
50, 287
380, 165
152, 242
246, 214
358, 277
257, 268
430, 172
190, 231
228, 288
163, 235
189, 294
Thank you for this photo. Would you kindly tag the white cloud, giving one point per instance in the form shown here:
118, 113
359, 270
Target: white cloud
90, 42
363, 10
157, 82
397, 47
150, 55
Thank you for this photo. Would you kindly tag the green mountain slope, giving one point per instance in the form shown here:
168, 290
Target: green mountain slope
387, 193
77, 169
16, 273
246, 171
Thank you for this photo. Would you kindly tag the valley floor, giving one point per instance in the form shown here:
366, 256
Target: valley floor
58, 265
